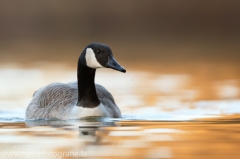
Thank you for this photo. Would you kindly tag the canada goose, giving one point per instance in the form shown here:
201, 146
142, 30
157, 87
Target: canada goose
82, 98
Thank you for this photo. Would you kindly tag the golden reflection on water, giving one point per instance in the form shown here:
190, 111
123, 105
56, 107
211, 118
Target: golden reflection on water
215, 138
167, 105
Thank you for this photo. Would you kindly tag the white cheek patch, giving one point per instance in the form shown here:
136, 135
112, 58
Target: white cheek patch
91, 59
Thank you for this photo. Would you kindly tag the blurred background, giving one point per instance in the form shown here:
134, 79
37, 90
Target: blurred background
182, 62
179, 55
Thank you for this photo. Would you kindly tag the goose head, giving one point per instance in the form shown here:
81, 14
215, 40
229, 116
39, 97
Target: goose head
97, 55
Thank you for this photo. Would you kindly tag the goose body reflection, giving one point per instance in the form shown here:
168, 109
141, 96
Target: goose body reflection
82, 98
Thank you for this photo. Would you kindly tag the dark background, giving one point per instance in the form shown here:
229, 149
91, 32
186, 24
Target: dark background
147, 34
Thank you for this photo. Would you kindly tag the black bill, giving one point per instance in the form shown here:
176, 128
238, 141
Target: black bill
112, 63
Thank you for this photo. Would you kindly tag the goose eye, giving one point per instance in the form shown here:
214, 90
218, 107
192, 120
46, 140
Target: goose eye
98, 51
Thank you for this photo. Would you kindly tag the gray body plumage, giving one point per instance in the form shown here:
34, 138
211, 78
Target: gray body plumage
57, 100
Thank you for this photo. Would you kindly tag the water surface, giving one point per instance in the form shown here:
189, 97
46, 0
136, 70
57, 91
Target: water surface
164, 116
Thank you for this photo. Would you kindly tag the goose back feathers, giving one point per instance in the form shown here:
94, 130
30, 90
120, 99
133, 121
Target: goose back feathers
57, 100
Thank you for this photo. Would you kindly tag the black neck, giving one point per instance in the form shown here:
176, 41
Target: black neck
87, 96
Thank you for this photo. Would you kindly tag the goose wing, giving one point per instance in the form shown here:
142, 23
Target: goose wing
107, 100
56, 94
53, 100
